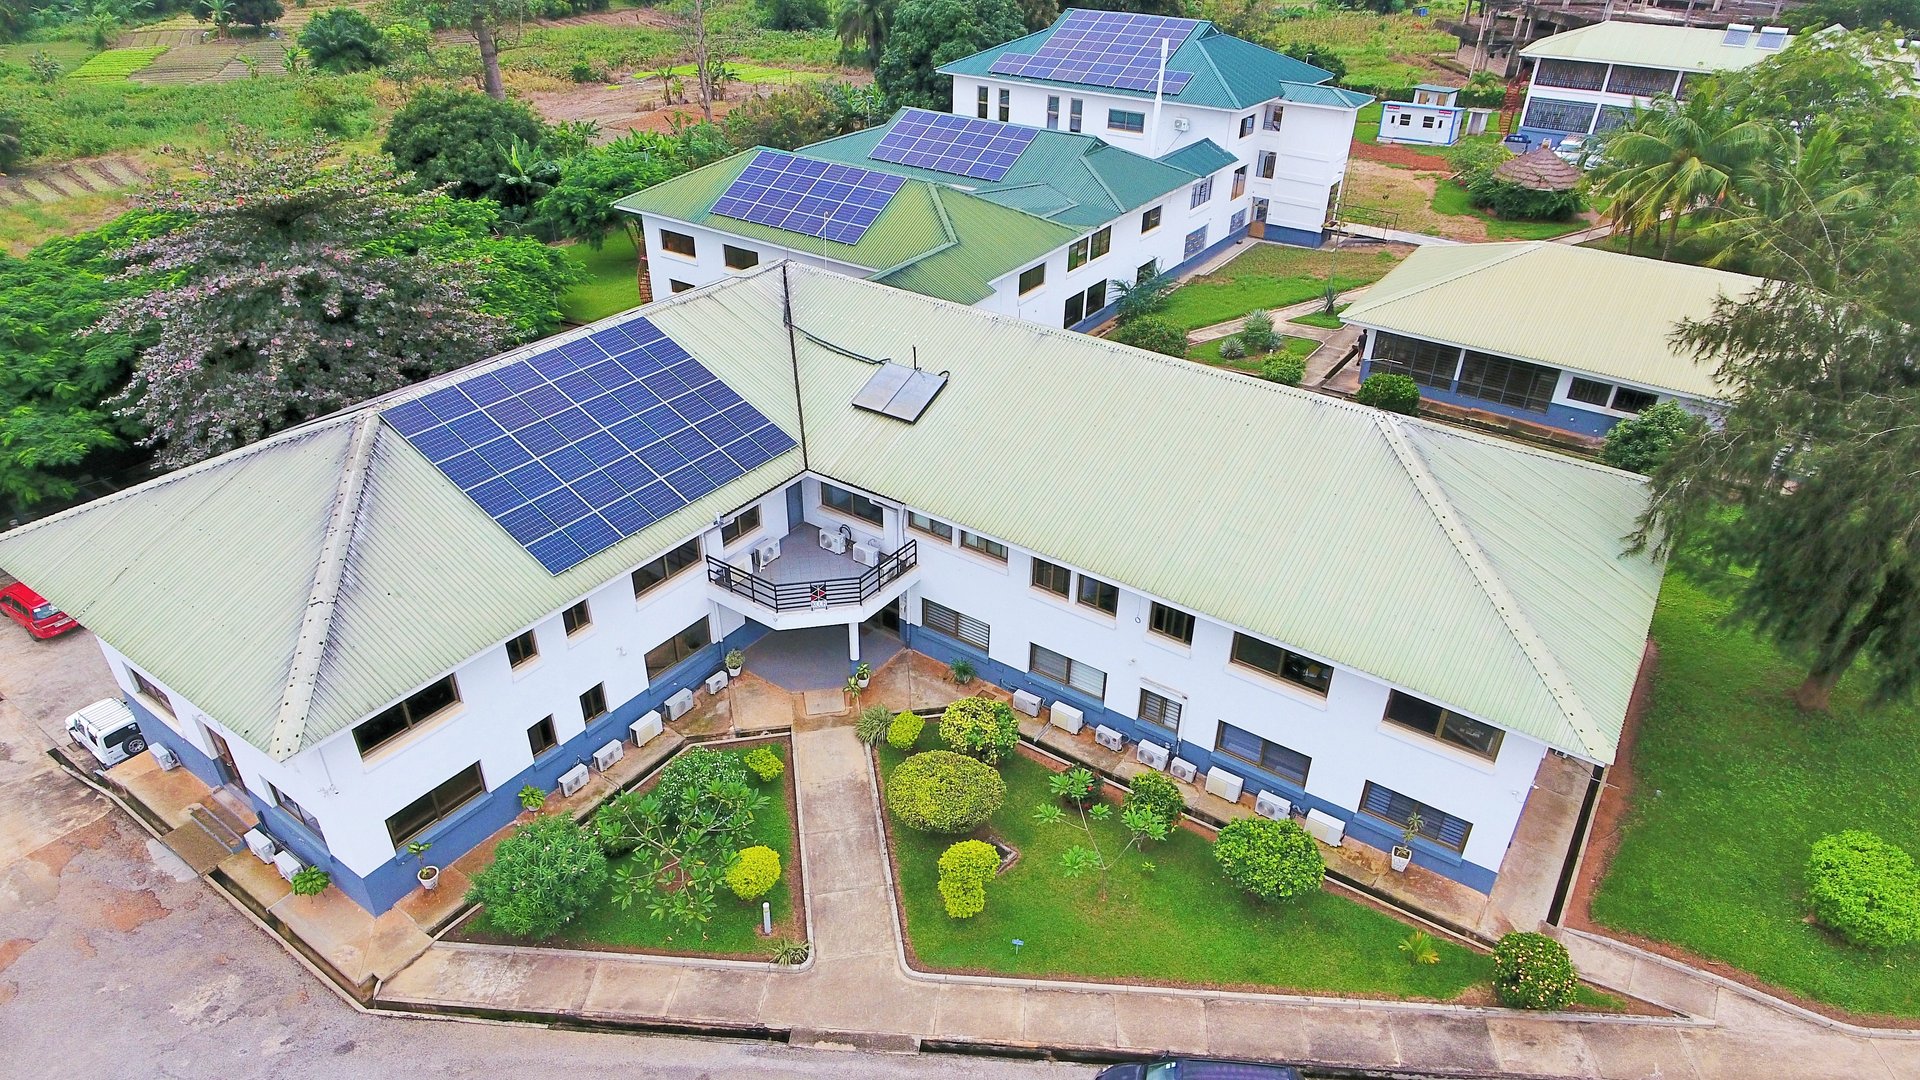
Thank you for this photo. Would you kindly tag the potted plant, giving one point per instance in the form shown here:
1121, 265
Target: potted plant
854, 686
1403, 851
962, 671
736, 660
532, 798
863, 673
429, 875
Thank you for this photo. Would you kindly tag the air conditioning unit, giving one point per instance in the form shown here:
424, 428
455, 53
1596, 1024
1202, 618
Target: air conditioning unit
645, 729
1109, 738
716, 682
164, 756
1269, 805
1151, 754
573, 780
1224, 784
868, 553
1067, 718
262, 845
288, 864
1026, 702
1181, 769
1181, 123
604, 757
679, 704
1326, 828
766, 551
834, 541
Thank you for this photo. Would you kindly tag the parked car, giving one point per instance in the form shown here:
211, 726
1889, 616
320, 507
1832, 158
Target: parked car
31, 610
1194, 1068
108, 730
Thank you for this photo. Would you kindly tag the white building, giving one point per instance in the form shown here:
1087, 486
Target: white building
1587, 81
1432, 118
1366, 614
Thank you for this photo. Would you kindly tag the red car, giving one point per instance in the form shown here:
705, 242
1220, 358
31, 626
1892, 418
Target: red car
31, 610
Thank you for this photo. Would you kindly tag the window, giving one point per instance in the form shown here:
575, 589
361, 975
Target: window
1275, 114
577, 618
1278, 662
1404, 119
1246, 124
1032, 278
1426, 121
1149, 221
1102, 242
739, 258
1202, 192
1639, 81
1073, 114
1570, 74
1238, 221
1196, 243
678, 648
1006, 105
1508, 382
1053, 112
1267, 161
1288, 765
1589, 392
420, 814
151, 691
942, 619
1067, 671
1099, 594
1171, 622
1429, 364
522, 649
848, 502
1083, 305
679, 286
541, 737
1444, 724
664, 567
299, 812
1161, 712
677, 242
593, 703
925, 524
743, 524
1626, 399
1126, 120
1052, 577
980, 103
992, 549
1550, 115
1239, 182
1146, 271
408, 714
1394, 808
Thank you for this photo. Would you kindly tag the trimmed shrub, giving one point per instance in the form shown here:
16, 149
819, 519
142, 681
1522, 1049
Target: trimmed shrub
1864, 889
1158, 794
1154, 334
944, 792
905, 731
873, 725
765, 764
980, 728
965, 869
1273, 860
1644, 443
755, 870
1394, 393
1256, 333
1231, 349
540, 878
1533, 971
1285, 370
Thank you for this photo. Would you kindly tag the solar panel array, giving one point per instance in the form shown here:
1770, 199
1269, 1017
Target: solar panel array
821, 199
1104, 48
577, 447
960, 145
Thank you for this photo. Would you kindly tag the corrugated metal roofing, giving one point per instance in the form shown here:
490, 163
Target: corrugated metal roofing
1591, 311
1676, 48
1201, 159
1301, 93
1483, 575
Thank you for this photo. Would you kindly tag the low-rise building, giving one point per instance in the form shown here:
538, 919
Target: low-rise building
1433, 118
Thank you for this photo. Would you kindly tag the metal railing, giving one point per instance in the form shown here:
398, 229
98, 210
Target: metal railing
813, 595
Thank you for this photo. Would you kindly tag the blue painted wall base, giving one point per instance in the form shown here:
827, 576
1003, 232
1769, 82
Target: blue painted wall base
1563, 417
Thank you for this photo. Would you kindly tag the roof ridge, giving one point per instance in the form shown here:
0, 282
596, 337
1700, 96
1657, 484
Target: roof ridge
946, 228
1516, 248
1558, 685
1197, 40
316, 621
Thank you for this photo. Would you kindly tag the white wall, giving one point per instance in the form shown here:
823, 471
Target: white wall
708, 263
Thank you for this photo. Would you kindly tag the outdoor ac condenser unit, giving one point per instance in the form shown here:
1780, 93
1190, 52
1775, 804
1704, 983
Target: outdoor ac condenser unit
573, 780
766, 551
1224, 784
1109, 738
716, 682
833, 541
262, 846
604, 757
867, 553
1151, 754
1182, 769
1026, 703
1067, 718
288, 864
679, 704
645, 729
1269, 805
1326, 828
164, 756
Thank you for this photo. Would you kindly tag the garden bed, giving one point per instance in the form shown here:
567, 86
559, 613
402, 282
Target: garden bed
1273, 276
1208, 352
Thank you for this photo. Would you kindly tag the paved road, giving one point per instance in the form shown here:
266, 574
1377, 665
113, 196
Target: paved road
116, 962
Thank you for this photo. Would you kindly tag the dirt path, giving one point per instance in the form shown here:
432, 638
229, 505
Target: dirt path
1406, 198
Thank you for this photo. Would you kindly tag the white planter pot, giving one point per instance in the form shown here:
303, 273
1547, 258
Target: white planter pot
864, 682
1401, 857
734, 672
429, 878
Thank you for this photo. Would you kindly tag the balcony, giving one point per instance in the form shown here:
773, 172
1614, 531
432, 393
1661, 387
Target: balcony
810, 585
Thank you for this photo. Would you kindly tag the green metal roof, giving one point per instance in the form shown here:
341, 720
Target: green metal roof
1520, 300
1676, 48
1299, 93
1203, 158
1228, 73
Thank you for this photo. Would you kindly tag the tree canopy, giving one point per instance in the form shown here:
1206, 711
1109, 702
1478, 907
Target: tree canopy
925, 34
463, 139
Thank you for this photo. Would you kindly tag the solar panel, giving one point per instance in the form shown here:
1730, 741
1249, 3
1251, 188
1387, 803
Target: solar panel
899, 391
1737, 35
816, 198
1104, 48
577, 447
1771, 37
960, 145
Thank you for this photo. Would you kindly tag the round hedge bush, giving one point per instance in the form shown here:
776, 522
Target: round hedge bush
1394, 393
965, 869
1864, 889
944, 792
765, 764
1285, 370
1159, 794
1533, 971
980, 728
754, 871
905, 731
1274, 860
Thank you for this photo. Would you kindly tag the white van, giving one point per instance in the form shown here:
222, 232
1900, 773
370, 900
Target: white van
108, 730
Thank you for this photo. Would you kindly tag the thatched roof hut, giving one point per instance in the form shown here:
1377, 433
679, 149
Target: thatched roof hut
1539, 169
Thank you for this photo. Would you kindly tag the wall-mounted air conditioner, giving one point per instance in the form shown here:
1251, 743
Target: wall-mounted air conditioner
573, 780
1326, 828
1181, 769
1269, 805
679, 704
1026, 703
645, 729
833, 540
1150, 754
766, 551
1224, 784
1067, 718
716, 682
604, 757
1109, 738
262, 845
1181, 123
288, 864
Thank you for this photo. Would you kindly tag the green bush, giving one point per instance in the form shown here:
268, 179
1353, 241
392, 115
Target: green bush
765, 764
1285, 370
1483, 91
343, 39
980, 728
692, 772
1273, 860
965, 869
944, 792
1517, 203
461, 138
1154, 334
1533, 971
905, 731
1231, 349
1394, 393
754, 871
1644, 443
1471, 161
540, 878
873, 725
1256, 334
310, 881
1865, 889
1158, 794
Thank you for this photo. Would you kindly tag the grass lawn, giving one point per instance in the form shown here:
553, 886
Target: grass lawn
1451, 198
1321, 319
1366, 124
1733, 787
1208, 352
1270, 276
609, 286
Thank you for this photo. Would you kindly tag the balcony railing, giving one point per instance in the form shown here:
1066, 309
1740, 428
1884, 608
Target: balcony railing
815, 595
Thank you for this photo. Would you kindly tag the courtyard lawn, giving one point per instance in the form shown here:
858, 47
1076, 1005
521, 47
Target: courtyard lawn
1733, 786
1269, 277
608, 285
1179, 922
1322, 319
1208, 352
1450, 198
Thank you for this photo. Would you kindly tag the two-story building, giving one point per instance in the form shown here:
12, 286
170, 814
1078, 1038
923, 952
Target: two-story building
394, 618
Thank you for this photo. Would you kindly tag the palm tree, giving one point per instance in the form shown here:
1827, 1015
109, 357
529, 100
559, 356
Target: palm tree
863, 27
1677, 157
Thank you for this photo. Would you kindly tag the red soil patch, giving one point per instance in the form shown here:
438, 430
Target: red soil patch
128, 911
1403, 156
12, 949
